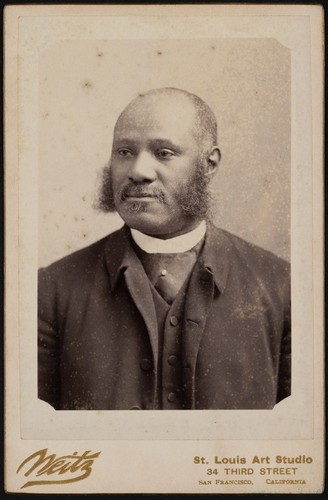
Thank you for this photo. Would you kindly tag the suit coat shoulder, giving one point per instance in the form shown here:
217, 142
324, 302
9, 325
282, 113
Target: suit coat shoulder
82, 262
266, 268
254, 254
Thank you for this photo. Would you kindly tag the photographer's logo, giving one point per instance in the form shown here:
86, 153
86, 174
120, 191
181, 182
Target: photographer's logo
63, 469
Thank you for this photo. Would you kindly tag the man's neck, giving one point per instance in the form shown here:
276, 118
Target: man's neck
176, 244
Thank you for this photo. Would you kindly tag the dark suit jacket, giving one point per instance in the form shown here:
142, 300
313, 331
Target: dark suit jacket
97, 323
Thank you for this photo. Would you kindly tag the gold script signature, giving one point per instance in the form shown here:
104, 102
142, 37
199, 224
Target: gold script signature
75, 467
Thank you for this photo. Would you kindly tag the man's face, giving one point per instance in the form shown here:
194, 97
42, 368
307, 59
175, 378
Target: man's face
155, 155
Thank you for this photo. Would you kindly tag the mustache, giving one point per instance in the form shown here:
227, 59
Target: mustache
194, 197
139, 190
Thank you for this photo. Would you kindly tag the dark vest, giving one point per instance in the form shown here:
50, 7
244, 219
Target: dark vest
170, 384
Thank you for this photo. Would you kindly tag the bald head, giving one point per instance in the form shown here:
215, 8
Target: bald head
166, 105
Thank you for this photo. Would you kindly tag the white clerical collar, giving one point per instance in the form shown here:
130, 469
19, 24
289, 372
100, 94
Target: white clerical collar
178, 244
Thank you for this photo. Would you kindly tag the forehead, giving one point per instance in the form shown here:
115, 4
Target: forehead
158, 116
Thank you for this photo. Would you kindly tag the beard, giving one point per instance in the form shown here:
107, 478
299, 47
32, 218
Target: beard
194, 198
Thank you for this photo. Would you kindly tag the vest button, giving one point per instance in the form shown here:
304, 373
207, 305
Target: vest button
145, 364
172, 359
163, 272
171, 397
174, 320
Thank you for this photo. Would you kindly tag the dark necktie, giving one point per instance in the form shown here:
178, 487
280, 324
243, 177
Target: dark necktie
169, 271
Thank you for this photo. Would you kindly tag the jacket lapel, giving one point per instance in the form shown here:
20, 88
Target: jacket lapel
209, 277
122, 259
198, 303
138, 286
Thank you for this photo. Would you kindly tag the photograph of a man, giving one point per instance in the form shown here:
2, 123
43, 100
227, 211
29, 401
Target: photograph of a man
169, 312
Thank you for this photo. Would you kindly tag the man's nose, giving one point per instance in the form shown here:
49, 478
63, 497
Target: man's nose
143, 168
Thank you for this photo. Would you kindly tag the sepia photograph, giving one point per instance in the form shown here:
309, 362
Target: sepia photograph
168, 176
168, 312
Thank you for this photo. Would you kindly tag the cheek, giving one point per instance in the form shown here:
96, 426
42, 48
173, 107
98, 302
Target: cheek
180, 178
119, 175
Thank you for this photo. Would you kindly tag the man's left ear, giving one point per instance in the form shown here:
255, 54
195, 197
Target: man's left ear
213, 160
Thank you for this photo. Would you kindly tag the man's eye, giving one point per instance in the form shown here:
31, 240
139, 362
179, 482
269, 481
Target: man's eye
125, 152
164, 153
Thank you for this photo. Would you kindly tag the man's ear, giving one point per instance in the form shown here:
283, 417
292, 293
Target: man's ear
213, 160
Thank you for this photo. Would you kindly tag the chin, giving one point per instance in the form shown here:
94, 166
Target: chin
147, 223
144, 225
154, 219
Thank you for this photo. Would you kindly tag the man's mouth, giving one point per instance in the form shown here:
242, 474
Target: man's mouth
138, 194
